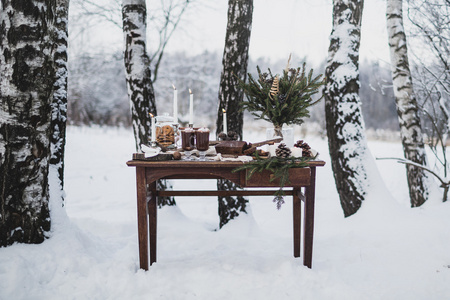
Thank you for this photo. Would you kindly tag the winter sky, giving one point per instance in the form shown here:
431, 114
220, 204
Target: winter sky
281, 27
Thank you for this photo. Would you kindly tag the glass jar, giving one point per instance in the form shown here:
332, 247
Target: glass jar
165, 131
287, 135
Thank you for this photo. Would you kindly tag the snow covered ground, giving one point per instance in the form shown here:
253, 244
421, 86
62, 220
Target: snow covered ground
386, 251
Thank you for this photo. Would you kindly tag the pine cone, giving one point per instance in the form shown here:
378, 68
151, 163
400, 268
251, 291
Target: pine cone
283, 151
305, 147
232, 136
292, 71
279, 200
223, 136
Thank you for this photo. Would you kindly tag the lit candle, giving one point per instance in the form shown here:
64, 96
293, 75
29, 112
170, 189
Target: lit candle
191, 107
224, 120
153, 128
175, 105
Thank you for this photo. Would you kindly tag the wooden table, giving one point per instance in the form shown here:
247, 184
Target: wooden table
148, 172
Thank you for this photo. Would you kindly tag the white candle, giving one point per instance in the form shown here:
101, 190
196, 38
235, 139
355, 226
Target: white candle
191, 107
224, 121
153, 128
175, 105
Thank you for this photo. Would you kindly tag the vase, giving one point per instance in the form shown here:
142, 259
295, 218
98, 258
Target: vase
287, 133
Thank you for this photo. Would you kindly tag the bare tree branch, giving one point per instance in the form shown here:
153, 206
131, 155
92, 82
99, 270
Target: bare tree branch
164, 20
444, 184
410, 162
166, 33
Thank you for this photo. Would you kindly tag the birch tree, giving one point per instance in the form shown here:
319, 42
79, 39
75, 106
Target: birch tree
431, 77
137, 68
59, 105
234, 62
407, 108
138, 77
344, 121
26, 92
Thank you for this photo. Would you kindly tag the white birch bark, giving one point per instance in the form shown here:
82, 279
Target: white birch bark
344, 121
26, 91
138, 77
137, 67
59, 105
407, 108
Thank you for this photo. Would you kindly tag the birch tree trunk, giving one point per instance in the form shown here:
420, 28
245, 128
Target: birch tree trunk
407, 108
137, 67
26, 91
138, 77
344, 121
234, 62
59, 105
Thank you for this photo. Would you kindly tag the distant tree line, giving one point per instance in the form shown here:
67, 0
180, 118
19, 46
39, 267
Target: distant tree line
98, 94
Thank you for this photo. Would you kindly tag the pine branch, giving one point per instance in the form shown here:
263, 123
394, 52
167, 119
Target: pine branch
282, 99
278, 166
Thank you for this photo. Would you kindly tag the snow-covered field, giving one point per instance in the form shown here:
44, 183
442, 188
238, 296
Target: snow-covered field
386, 251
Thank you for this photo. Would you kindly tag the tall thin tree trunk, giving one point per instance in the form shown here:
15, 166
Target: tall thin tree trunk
234, 63
59, 105
137, 67
138, 77
407, 108
235, 60
26, 91
345, 124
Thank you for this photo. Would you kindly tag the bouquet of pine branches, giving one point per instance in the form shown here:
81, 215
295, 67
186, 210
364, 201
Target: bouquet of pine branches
284, 99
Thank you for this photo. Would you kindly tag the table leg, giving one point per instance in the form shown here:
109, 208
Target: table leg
153, 214
309, 220
141, 187
297, 218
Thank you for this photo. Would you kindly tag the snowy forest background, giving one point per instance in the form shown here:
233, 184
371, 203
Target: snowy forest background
98, 94
90, 252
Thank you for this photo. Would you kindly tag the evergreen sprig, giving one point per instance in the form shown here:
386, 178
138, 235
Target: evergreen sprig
279, 167
290, 104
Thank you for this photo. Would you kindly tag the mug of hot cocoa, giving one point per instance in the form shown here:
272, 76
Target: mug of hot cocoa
202, 142
188, 141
